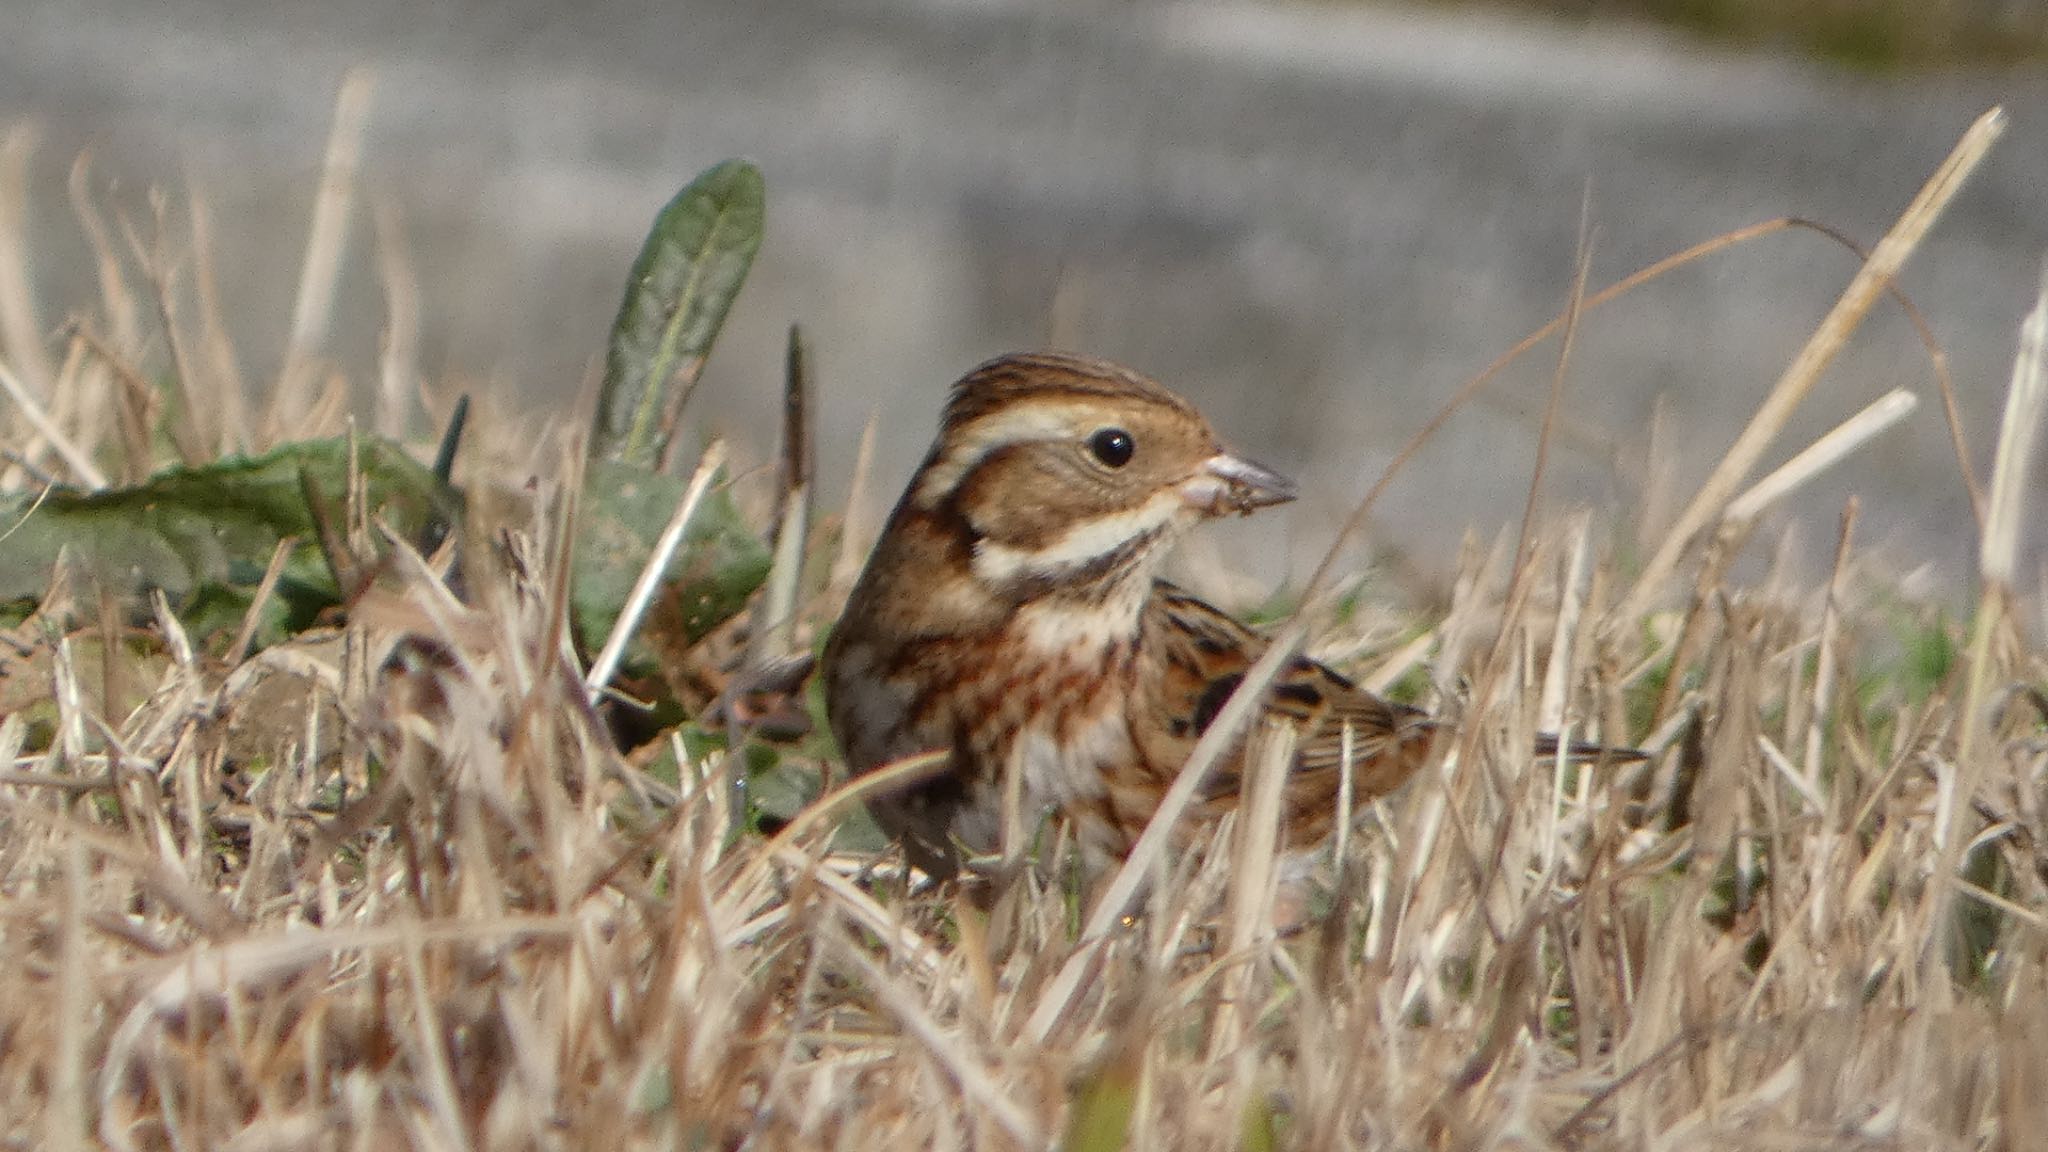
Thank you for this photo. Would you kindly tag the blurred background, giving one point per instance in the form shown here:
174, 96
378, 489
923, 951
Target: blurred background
1317, 219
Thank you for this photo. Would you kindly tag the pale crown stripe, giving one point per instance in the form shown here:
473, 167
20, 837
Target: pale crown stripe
1015, 425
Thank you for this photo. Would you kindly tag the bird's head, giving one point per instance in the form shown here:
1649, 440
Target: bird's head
1069, 471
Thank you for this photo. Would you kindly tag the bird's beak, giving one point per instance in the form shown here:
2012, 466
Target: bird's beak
1229, 483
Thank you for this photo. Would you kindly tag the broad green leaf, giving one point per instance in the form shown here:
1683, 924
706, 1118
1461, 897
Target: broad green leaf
625, 508
204, 535
688, 272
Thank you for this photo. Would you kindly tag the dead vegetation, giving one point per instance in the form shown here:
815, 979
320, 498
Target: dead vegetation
388, 883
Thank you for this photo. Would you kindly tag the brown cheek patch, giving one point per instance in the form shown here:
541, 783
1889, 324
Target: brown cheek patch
1003, 499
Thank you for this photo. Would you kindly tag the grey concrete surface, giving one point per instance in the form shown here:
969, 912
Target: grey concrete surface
1316, 220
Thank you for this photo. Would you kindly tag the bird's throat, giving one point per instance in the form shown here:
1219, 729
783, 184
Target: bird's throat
1086, 628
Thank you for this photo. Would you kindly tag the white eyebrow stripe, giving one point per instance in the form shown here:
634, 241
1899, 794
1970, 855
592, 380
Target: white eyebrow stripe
1000, 563
1016, 425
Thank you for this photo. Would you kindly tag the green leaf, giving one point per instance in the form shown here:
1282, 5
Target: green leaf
204, 535
1101, 1118
625, 507
688, 272
1258, 1127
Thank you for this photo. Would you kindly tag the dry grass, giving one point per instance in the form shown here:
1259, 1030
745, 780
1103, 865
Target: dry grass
391, 886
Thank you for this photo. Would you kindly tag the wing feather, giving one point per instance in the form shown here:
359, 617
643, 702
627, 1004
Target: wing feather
1204, 655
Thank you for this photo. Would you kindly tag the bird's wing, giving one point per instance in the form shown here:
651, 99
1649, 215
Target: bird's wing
1203, 655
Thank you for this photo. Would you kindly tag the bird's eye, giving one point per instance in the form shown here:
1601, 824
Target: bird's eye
1112, 446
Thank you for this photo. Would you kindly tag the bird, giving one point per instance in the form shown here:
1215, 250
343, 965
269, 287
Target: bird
1012, 618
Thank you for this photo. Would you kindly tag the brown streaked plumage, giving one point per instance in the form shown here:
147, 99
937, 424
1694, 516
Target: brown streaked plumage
1011, 614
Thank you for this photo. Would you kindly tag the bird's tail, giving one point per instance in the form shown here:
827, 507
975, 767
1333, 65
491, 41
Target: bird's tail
1581, 751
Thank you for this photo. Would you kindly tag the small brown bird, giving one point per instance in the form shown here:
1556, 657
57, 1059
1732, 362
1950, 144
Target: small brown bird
1011, 615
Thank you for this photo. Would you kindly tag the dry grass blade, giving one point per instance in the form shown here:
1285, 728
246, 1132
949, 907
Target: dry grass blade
854, 529
137, 405
1838, 444
68, 1091
326, 243
186, 428
222, 366
2018, 433
966, 1071
1520, 574
774, 635
253, 618
902, 944
1575, 304
1937, 361
665, 546
43, 494
2026, 405
81, 466
1550, 709
122, 318
1824, 670
1804, 372
1249, 907
429, 1053
21, 330
1551, 715
398, 367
